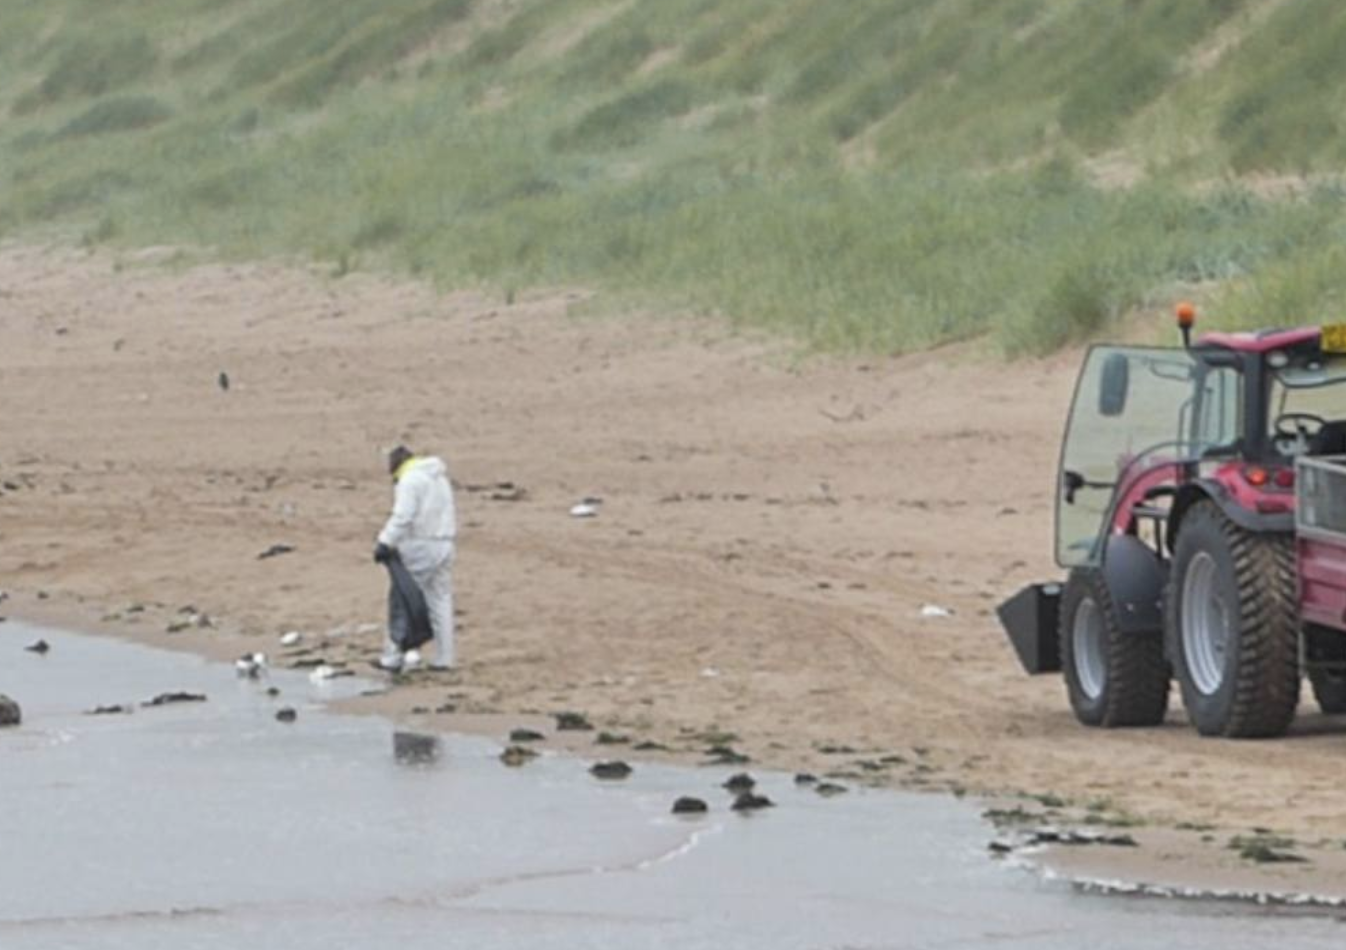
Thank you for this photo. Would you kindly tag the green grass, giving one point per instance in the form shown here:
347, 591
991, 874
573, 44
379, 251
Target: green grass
119, 114
879, 175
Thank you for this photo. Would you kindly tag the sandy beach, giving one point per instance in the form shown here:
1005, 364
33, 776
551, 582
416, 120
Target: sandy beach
770, 529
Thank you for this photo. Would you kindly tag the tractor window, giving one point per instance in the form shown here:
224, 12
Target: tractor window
1220, 414
1133, 408
1308, 406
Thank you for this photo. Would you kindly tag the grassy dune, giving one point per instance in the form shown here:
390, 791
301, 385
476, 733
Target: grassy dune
867, 175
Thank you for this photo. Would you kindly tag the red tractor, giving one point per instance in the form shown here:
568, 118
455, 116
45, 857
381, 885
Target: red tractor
1202, 520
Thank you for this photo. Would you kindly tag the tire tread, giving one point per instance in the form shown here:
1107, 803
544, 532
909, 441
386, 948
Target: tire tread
1267, 678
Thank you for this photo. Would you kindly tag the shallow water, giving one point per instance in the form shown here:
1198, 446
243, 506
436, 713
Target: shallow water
213, 826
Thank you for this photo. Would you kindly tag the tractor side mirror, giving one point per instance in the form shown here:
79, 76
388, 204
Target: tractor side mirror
1113, 385
1071, 482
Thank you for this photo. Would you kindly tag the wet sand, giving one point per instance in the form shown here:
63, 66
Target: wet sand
770, 531
212, 825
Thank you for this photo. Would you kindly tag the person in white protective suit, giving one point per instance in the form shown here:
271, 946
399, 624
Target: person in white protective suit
421, 530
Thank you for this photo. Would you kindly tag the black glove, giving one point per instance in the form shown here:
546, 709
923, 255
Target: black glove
382, 553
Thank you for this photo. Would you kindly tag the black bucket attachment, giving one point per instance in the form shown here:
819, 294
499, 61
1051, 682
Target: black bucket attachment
1029, 617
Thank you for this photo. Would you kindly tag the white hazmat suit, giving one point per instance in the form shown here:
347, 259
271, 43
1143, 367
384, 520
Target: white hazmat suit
421, 529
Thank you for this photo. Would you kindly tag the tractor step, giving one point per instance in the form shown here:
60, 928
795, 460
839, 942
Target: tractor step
1030, 620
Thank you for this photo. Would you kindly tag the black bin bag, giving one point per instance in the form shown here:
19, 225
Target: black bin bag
408, 616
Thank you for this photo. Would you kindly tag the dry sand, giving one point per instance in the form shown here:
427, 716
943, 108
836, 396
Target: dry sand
770, 527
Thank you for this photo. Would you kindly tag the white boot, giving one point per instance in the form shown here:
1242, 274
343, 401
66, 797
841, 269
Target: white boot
391, 659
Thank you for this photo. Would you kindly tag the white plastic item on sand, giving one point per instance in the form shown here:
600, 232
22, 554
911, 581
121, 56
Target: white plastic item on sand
935, 610
291, 638
322, 673
584, 510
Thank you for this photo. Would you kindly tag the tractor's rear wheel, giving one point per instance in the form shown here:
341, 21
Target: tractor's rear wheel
1230, 616
1113, 678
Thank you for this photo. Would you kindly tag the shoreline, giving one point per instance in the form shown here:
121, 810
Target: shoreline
771, 529
1170, 863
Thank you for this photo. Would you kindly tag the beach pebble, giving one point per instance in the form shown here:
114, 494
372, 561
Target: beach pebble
829, 789
291, 639
414, 748
517, 755
934, 611
689, 806
10, 714
276, 550
748, 801
165, 699
525, 735
287, 714
806, 778
572, 721
742, 782
38, 646
115, 709
610, 770
726, 755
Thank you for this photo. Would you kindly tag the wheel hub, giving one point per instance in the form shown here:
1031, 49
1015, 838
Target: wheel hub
1206, 624
1087, 640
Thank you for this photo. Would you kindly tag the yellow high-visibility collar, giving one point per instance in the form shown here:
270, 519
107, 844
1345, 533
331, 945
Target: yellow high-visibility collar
402, 469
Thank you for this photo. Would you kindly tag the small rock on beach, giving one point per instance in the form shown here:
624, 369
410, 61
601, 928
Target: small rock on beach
165, 699
742, 782
115, 709
748, 801
689, 806
726, 755
573, 722
517, 755
10, 714
610, 770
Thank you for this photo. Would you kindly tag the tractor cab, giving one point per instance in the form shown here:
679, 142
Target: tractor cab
1233, 411
1217, 430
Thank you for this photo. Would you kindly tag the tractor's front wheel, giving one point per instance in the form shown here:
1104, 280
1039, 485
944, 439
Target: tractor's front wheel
1113, 678
1229, 614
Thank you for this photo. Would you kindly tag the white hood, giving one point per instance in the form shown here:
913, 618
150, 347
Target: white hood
423, 510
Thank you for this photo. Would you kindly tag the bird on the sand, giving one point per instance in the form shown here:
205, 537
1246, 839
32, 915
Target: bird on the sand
251, 665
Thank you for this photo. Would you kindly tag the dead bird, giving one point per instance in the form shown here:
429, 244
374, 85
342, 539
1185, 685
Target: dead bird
251, 665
